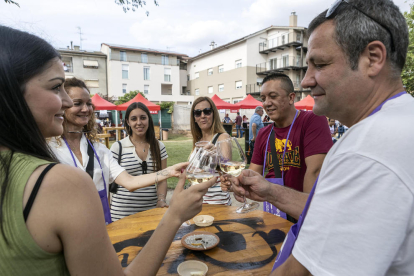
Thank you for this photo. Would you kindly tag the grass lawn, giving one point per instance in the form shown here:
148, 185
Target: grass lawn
179, 148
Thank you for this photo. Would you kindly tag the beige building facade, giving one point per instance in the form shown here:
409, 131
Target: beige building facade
87, 66
160, 75
234, 70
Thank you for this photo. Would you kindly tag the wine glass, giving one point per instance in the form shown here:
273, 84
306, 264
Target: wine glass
233, 161
201, 168
198, 145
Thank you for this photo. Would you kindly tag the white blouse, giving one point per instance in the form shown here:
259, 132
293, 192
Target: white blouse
111, 169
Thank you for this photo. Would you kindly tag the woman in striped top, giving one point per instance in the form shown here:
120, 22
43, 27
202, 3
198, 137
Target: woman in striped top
141, 154
206, 126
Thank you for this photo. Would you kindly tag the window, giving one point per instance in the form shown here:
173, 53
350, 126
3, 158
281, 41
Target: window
221, 88
210, 72
122, 56
92, 83
210, 90
188, 77
167, 74
67, 64
196, 75
144, 58
90, 64
125, 69
146, 73
221, 68
237, 101
283, 39
146, 89
124, 88
285, 61
164, 60
197, 91
273, 63
238, 63
239, 84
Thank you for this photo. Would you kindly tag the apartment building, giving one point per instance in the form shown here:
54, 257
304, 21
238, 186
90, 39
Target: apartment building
235, 69
160, 75
86, 65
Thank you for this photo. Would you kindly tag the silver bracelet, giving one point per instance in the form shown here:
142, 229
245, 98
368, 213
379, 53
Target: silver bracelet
159, 195
162, 199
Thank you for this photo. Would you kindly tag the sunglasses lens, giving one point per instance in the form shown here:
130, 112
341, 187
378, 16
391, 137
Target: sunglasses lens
332, 9
207, 111
197, 113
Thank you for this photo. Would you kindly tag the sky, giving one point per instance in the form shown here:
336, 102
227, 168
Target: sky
183, 26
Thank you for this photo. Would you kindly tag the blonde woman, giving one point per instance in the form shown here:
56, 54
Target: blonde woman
206, 126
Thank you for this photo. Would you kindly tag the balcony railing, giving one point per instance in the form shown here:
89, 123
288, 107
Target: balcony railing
148, 60
280, 43
279, 64
252, 89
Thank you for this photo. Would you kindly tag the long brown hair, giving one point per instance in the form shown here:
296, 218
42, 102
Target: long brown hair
217, 127
149, 135
90, 128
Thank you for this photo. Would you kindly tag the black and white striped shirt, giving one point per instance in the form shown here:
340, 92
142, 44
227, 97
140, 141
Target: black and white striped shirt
124, 202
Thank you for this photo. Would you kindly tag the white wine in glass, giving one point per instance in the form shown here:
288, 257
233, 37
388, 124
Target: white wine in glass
201, 168
233, 161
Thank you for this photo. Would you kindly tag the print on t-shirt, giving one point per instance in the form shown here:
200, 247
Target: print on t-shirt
292, 156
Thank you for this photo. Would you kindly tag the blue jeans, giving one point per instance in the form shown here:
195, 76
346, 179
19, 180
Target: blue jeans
238, 130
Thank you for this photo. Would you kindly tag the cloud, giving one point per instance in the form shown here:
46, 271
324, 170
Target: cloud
188, 39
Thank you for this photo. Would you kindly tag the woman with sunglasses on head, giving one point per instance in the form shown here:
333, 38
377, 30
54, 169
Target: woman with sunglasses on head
206, 126
51, 219
79, 147
141, 153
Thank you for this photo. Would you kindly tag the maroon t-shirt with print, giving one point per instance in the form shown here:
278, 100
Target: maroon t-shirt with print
310, 135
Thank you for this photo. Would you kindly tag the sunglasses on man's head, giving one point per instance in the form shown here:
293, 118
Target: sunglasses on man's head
337, 3
206, 111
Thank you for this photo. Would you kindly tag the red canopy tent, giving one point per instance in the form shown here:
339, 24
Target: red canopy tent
153, 108
249, 103
101, 104
220, 104
307, 103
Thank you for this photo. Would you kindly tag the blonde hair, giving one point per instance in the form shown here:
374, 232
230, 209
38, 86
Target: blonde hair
217, 127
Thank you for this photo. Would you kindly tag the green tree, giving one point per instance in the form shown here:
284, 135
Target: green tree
12, 2
128, 96
408, 71
133, 5
167, 105
127, 5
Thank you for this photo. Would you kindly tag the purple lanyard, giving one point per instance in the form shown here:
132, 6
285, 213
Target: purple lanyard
284, 150
96, 155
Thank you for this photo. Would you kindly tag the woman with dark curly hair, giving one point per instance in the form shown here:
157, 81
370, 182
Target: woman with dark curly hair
79, 147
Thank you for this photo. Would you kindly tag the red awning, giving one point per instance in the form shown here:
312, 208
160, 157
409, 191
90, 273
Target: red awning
153, 108
307, 103
101, 104
249, 103
220, 104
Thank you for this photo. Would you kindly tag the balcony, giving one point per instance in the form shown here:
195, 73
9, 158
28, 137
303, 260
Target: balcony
280, 43
279, 65
253, 89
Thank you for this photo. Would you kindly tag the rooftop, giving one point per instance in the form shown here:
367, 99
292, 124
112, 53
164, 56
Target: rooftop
142, 49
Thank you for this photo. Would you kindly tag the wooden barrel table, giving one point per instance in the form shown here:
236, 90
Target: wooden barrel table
248, 243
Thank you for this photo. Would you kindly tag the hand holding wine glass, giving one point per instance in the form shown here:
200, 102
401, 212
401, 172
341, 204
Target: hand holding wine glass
233, 161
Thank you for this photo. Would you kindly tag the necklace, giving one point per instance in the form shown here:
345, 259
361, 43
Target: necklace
139, 143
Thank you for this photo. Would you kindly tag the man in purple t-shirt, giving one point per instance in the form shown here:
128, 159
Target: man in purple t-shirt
238, 122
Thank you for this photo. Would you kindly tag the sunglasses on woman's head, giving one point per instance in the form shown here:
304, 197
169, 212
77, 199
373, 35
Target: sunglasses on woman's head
206, 111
